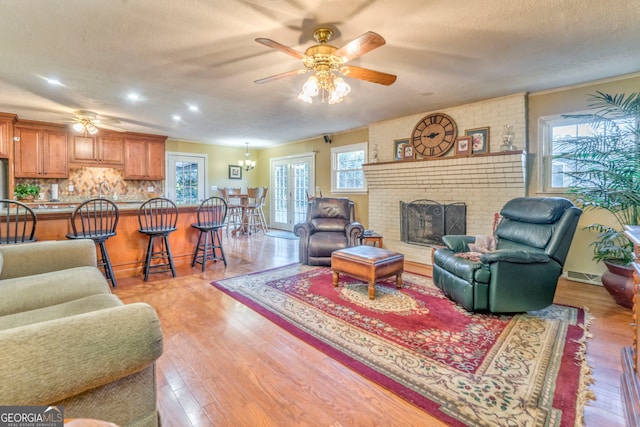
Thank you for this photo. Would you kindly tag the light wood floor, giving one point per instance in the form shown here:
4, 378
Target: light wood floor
225, 365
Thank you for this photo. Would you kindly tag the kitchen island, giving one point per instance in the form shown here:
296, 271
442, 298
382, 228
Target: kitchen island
128, 248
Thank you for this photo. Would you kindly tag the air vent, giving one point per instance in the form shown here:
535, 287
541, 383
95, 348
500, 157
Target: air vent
592, 279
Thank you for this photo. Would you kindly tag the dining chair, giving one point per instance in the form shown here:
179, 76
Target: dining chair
96, 219
211, 216
17, 222
157, 218
255, 215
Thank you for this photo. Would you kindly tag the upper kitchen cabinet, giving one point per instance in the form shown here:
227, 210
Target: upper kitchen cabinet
6, 133
101, 150
40, 151
144, 158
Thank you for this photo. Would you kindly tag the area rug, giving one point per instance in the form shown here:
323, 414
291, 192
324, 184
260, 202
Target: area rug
464, 369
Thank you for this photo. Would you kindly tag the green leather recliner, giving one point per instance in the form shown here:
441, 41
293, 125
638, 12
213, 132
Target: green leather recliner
521, 274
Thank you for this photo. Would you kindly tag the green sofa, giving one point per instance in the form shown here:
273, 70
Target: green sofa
66, 340
521, 274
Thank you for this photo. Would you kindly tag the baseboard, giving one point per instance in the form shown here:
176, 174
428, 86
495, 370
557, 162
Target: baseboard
418, 268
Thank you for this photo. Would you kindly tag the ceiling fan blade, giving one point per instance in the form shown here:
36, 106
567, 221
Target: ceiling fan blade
363, 44
275, 45
280, 76
110, 127
368, 75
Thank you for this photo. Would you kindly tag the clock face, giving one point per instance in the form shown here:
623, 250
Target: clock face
434, 135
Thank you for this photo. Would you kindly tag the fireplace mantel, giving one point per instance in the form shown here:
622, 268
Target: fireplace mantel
483, 182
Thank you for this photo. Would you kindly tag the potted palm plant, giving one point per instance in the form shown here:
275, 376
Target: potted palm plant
605, 174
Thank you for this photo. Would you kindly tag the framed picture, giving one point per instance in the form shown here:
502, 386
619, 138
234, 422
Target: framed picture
398, 149
407, 152
463, 146
235, 172
479, 139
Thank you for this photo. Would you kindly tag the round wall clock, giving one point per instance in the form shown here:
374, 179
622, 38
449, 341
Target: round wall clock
434, 135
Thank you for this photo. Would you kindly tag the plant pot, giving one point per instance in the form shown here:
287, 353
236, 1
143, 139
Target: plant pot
618, 281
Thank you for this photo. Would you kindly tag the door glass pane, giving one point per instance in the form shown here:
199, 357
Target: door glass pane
280, 196
186, 183
300, 190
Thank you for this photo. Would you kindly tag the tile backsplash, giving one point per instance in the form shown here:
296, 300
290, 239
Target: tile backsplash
86, 180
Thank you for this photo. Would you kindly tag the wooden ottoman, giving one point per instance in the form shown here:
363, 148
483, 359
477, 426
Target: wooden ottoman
367, 263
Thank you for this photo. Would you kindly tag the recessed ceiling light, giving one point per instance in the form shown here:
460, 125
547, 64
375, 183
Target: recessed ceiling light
133, 96
175, 117
193, 107
54, 81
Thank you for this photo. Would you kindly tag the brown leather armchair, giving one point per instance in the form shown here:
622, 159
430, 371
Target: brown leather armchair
329, 227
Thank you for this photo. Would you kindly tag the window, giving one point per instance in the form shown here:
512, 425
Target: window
347, 175
561, 134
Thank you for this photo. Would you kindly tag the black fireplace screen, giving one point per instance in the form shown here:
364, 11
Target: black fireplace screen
424, 222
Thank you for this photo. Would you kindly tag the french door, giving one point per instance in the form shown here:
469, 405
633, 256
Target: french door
292, 179
185, 183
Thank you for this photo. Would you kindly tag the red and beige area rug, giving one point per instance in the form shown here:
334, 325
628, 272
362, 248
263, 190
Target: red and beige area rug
464, 369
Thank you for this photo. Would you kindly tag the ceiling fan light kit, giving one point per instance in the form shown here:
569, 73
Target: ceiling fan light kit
87, 122
328, 64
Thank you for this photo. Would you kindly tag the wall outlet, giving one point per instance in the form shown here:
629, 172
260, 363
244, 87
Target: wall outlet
150, 189
70, 188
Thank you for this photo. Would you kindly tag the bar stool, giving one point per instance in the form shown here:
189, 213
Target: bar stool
18, 222
158, 217
96, 219
211, 215
234, 207
255, 214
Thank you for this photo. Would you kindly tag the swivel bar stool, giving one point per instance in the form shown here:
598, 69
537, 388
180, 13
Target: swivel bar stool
158, 217
96, 219
211, 216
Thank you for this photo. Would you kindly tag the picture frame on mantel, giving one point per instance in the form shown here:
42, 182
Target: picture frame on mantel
398, 149
408, 153
479, 139
463, 146
235, 172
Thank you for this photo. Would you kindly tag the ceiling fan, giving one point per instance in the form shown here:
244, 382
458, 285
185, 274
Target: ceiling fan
89, 122
328, 63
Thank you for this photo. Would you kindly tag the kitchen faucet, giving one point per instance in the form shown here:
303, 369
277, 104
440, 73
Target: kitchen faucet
100, 188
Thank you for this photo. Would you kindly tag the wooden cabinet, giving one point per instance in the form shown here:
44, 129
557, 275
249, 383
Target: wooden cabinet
40, 152
144, 158
6, 133
102, 150
630, 379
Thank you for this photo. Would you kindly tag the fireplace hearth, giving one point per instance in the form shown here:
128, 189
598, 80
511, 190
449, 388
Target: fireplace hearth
424, 222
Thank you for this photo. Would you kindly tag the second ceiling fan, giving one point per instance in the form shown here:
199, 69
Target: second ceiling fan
328, 63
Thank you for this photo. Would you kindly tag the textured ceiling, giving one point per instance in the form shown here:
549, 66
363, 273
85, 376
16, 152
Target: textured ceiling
202, 52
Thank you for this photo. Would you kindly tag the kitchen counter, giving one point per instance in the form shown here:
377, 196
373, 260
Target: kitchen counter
127, 249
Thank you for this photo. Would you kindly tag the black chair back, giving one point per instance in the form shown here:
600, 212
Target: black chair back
158, 215
95, 219
17, 222
212, 212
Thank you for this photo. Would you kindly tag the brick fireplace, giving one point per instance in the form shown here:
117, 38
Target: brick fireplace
484, 183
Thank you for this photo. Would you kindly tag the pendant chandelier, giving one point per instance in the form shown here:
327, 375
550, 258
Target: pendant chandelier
247, 164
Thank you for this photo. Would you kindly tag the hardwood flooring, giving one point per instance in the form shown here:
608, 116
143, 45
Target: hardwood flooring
225, 365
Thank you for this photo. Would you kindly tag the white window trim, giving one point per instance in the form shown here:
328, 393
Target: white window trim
544, 165
344, 149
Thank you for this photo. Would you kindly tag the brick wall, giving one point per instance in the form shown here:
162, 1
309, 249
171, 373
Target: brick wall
483, 182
